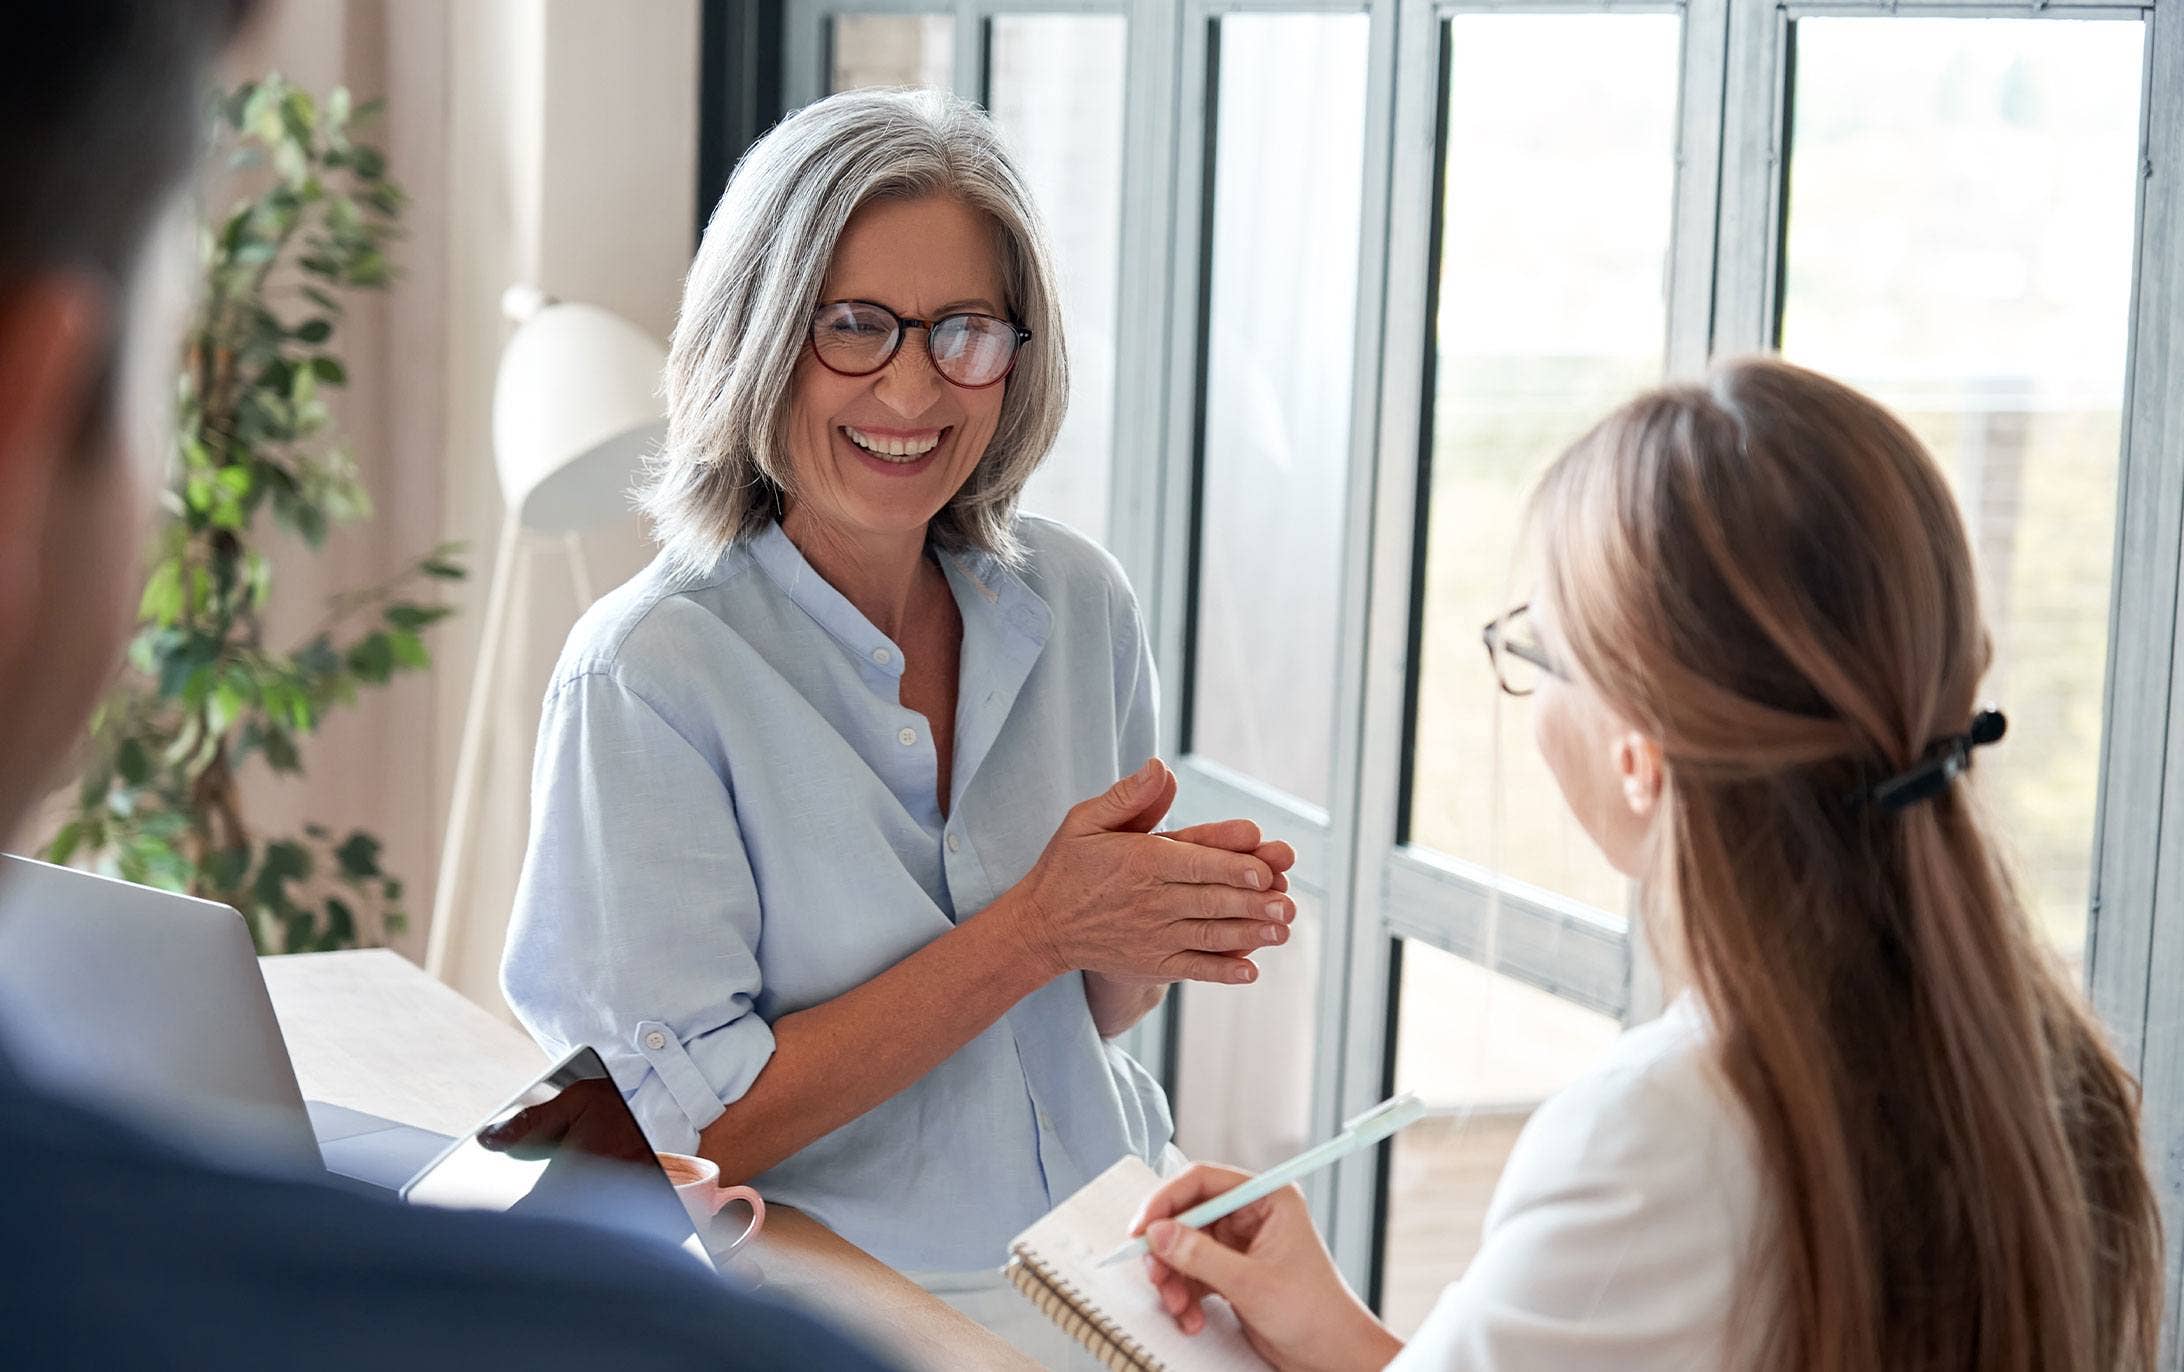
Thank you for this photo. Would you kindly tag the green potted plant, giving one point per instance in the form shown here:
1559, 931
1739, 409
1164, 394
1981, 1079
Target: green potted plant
207, 694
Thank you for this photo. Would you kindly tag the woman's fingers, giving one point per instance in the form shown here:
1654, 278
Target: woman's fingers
1224, 969
1155, 809
1201, 1181
1179, 1295
1234, 835
1135, 802
1147, 808
1200, 1256
1191, 864
1231, 935
1223, 903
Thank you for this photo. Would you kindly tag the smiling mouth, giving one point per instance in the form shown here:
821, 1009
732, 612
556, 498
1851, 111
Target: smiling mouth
895, 449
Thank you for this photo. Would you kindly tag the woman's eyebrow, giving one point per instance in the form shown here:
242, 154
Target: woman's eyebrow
979, 304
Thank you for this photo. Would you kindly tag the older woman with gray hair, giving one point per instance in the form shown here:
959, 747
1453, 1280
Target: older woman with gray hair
812, 862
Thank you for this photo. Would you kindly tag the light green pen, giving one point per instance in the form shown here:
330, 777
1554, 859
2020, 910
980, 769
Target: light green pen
1363, 1132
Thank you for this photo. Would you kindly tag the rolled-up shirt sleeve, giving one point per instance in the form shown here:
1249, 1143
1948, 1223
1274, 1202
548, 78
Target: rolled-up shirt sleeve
636, 922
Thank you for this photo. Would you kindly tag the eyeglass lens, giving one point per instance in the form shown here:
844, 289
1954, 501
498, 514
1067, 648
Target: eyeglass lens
1515, 649
856, 339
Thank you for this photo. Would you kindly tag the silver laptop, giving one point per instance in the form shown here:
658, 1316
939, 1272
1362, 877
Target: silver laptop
151, 1006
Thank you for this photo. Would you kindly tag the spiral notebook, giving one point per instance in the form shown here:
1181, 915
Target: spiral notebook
1115, 1311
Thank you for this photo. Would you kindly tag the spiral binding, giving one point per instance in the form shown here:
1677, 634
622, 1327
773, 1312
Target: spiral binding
1060, 1301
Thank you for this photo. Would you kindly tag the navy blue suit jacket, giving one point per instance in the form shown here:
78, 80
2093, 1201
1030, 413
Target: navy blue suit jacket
118, 1253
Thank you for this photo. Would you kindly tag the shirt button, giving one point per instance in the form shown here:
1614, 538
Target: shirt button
655, 1040
907, 737
954, 844
882, 656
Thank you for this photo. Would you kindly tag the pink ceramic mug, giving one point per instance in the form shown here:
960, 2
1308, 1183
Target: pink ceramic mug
697, 1181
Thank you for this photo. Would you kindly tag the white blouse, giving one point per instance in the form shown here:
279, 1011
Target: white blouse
1621, 1228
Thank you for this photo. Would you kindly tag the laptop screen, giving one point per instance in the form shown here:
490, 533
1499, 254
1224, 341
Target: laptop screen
567, 1148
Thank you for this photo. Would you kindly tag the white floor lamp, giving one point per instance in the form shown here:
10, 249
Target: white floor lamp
576, 406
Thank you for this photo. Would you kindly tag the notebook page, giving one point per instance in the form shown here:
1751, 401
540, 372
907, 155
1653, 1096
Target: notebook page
1076, 1234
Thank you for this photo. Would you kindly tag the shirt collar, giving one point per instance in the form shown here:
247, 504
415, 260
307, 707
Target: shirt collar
994, 592
993, 584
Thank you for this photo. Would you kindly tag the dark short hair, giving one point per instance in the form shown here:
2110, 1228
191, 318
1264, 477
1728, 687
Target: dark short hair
100, 105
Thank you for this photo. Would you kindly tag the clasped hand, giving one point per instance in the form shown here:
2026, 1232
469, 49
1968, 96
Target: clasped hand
1111, 897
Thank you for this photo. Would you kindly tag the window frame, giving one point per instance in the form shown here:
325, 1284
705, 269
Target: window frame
1207, 789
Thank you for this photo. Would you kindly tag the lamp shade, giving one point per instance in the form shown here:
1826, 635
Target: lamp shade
576, 406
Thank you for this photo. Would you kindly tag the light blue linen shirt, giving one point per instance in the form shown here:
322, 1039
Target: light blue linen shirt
734, 817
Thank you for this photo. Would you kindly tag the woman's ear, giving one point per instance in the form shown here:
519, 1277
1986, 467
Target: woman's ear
1638, 763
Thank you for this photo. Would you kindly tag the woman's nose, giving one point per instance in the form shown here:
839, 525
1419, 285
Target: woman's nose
909, 384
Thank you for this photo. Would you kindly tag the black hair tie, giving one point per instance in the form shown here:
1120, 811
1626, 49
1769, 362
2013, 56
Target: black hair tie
1944, 759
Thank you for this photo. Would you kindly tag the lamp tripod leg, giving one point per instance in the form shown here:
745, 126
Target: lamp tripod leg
462, 802
579, 570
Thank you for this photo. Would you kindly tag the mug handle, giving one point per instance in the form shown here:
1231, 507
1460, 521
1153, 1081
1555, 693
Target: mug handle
717, 1200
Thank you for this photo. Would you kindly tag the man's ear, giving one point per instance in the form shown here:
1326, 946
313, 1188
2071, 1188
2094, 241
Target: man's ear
52, 341
1639, 763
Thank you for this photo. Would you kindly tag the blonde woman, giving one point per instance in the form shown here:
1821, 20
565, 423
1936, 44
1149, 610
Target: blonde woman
1878, 1130
829, 856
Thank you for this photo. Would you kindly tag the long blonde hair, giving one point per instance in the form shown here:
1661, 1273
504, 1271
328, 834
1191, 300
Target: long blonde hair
1765, 572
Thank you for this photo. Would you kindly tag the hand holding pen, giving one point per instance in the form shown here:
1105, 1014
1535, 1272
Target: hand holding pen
1258, 1249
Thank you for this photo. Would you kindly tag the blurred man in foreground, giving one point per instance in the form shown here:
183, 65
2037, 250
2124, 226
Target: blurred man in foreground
119, 1253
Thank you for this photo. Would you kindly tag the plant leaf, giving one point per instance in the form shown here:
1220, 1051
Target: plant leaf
373, 659
405, 616
224, 870
409, 650
359, 856
162, 603
340, 925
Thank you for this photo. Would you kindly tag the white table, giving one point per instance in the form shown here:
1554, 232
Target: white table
368, 1030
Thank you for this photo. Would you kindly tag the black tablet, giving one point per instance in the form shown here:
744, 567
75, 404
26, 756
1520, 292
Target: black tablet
568, 1148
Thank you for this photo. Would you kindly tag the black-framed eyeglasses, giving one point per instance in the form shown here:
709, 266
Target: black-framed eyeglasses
1519, 658
858, 337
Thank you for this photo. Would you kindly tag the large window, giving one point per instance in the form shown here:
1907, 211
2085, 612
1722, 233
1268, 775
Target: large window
1276, 342
1280, 317
1055, 85
1549, 306
888, 50
1341, 276
1989, 305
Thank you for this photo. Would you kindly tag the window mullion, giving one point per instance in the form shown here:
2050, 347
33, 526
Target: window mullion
2135, 932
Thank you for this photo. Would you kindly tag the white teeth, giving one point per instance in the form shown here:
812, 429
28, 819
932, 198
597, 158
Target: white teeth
906, 449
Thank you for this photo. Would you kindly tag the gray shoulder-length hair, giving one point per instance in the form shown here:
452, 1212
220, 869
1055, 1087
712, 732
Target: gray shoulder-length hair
746, 316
